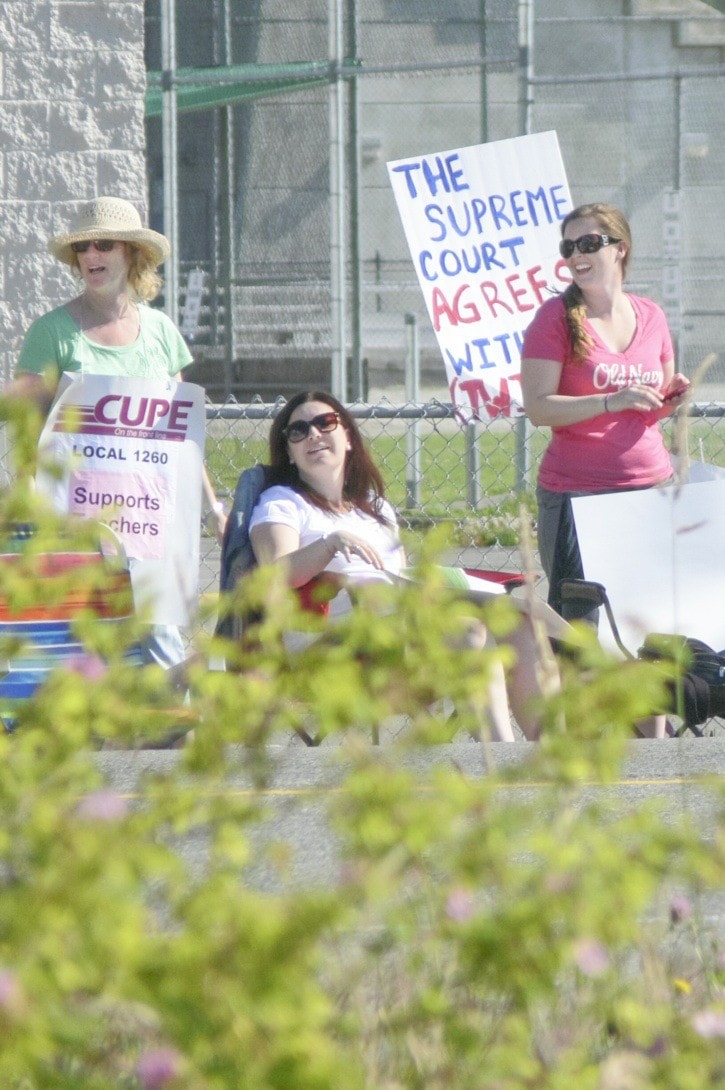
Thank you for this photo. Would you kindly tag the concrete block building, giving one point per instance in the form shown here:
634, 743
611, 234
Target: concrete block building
72, 84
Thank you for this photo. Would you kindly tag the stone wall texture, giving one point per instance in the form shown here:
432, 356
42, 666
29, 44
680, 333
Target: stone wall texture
72, 84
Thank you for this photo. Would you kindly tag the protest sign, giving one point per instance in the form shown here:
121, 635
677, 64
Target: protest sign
655, 551
482, 225
129, 453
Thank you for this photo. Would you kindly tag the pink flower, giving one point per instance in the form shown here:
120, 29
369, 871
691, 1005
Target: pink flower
459, 906
680, 909
103, 805
11, 992
558, 883
158, 1068
88, 666
591, 957
709, 1022
659, 1047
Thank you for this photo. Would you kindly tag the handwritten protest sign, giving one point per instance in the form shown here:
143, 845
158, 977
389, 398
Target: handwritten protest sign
129, 453
482, 225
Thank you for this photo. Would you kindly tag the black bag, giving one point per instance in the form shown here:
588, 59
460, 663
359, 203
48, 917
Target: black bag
702, 685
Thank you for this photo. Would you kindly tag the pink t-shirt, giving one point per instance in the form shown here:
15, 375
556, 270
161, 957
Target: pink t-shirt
612, 451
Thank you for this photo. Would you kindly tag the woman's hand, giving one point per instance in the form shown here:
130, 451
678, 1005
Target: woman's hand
349, 546
677, 391
636, 397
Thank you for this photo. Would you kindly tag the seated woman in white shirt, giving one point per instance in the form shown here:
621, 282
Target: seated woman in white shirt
327, 513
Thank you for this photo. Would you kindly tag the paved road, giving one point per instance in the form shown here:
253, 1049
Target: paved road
671, 772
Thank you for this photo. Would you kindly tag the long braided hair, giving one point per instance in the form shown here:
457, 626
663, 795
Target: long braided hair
611, 222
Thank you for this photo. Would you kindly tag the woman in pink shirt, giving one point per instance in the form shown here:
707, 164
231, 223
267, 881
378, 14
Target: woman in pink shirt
598, 369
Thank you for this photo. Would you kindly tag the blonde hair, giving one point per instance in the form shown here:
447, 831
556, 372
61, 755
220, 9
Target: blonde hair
612, 222
143, 278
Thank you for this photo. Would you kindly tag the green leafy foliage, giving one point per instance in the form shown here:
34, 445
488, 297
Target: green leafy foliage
501, 931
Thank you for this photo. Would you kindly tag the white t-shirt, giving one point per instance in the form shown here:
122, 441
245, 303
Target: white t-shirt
283, 506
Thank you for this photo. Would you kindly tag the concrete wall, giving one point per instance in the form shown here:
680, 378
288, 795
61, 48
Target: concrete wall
72, 83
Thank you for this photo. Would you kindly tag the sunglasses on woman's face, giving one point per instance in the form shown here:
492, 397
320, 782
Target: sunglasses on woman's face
300, 429
103, 245
585, 244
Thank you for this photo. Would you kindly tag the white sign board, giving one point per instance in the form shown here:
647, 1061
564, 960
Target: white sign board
482, 225
192, 303
658, 553
129, 453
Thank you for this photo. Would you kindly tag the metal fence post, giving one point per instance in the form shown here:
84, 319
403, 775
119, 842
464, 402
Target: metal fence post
523, 455
338, 254
412, 393
170, 156
473, 465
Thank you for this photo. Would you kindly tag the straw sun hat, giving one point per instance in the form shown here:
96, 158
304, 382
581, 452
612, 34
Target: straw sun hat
110, 217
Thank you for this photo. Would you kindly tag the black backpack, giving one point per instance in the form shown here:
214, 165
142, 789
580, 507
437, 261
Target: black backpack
703, 681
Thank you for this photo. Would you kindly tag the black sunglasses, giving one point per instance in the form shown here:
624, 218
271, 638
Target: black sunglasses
300, 429
585, 244
103, 245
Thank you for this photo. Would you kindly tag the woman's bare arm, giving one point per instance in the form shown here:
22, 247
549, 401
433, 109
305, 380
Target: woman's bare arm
546, 407
274, 543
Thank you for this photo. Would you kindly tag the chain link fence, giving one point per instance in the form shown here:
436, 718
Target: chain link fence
285, 201
435, 471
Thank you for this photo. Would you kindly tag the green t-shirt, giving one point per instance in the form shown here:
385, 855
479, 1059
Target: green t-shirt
55, 343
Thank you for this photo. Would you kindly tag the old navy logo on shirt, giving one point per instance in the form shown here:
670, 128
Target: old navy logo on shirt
617, 374
126, 415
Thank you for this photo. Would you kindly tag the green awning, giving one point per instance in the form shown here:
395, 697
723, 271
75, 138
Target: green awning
208, 88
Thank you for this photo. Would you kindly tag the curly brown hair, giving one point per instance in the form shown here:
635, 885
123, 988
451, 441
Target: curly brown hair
363, 485
612, 222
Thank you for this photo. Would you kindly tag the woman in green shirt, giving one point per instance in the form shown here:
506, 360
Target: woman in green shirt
108, 328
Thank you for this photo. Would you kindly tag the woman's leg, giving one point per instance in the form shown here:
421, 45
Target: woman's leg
533, 677
499, 713
559, 553
494, 715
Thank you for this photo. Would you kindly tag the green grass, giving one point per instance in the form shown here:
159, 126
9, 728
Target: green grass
444, 493
227, 458
443, 486
705, 440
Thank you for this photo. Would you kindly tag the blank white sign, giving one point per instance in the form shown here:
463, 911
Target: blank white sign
660, 554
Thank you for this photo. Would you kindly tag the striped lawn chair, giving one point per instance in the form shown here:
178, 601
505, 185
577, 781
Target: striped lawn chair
37, 637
